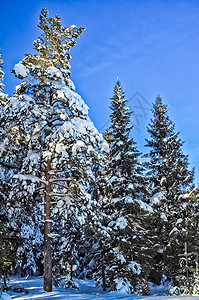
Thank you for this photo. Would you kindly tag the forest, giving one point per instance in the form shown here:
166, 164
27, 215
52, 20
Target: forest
79, 204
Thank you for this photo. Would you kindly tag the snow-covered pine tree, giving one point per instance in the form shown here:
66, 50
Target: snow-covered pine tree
123, 166
6, 244
61, 136
13, 156
169, 173
126, 190
4, 168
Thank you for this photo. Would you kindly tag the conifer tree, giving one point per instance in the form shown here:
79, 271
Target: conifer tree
167, 164
14, 147
169, 174
123, 167
59, 134
7, 243
126, 192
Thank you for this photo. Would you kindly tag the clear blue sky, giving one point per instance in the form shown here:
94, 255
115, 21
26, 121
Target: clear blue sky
153, 46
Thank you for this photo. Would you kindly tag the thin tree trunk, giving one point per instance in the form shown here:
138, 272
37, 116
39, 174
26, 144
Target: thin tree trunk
47, 230
103, 277
103, 269
71, 270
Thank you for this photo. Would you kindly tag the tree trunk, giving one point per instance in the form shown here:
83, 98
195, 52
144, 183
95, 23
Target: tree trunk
103, 277
71, 270
47, 230
103, 269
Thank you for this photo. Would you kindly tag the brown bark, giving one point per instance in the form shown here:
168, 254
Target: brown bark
47, 230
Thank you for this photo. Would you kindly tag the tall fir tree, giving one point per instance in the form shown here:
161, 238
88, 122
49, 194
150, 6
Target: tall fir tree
169, 175
124, 170
126, 192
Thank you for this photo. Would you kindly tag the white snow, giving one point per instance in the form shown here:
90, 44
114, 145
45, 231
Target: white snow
5, 296
105, 147
135, 267
121, 223
53, 73
163, 217
20, 71
87, 291
24, 177
157, 198
60, 203
144, 205
115, 200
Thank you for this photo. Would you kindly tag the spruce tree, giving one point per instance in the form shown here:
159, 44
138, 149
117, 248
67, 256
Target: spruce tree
7, 242
126, 192
123, 167
169, 175
61, 138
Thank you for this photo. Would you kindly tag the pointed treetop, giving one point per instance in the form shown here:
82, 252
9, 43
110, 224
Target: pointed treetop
168, 165
54, 43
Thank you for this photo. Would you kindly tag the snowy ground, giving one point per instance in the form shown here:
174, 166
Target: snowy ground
87, 291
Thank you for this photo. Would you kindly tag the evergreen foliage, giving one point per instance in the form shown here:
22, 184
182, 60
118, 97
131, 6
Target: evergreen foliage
123, 166
60, 140
6, 242
126, 192
91, 204
169, 174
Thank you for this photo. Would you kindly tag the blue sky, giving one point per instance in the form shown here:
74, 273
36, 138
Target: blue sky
153, 46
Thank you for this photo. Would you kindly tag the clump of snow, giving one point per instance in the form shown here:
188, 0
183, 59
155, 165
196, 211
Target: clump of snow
53, 73
81, 219
157, 198
173, 231
179, 221
121, 223
60, 203
163, 217
131, 186
128, 199
115, 200
77, 146
135, 267
70, 84
121, 258
122, 287
105, 147
24, 177
144, 205
20, 71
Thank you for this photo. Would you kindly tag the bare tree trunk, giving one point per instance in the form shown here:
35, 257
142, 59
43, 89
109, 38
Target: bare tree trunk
103, 277
47, 230
71, 270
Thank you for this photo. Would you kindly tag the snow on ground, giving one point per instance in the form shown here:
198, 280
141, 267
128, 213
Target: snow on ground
86, 291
